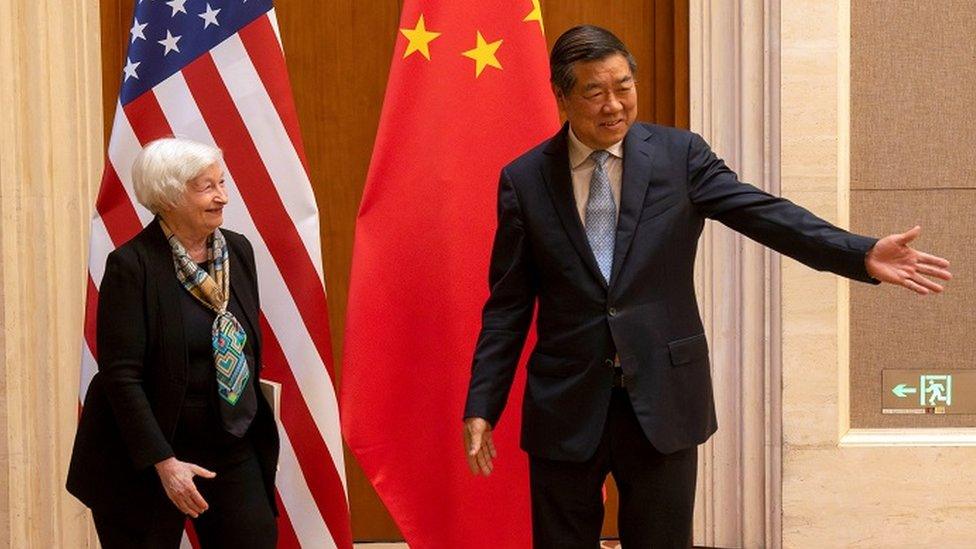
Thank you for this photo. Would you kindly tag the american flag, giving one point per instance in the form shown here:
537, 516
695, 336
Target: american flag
215, 72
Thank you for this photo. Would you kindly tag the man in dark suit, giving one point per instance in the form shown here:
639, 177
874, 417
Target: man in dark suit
598, 227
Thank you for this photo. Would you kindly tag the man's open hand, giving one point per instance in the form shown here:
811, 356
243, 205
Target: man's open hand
893, 261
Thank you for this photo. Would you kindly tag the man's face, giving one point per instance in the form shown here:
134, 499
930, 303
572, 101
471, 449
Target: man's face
602, 105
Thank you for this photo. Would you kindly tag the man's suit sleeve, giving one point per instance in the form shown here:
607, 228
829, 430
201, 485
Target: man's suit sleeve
717, 193
121, 348
507, 314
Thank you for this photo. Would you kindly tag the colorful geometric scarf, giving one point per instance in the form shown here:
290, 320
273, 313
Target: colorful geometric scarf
213, 290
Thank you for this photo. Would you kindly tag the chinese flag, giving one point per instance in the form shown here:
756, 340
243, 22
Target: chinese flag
468, 93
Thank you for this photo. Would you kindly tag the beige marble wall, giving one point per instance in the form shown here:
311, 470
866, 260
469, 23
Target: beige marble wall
845, 488
50, 162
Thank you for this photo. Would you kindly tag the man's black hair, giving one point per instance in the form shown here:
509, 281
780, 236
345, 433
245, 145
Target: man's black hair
583, 43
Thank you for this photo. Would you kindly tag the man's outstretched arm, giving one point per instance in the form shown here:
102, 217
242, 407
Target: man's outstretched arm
796, 232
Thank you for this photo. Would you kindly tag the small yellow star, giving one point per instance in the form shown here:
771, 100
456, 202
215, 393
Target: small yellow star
484, 55
536, 15
420, 39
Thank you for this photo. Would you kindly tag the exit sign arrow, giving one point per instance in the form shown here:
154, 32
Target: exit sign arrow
901, 390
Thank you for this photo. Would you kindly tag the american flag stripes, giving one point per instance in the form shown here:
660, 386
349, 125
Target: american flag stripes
215, 72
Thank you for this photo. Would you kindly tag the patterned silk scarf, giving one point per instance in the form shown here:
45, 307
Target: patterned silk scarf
213, 290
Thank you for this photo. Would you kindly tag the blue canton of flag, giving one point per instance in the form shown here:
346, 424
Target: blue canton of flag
166, 36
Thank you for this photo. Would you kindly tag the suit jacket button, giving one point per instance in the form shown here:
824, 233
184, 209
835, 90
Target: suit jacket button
612, 311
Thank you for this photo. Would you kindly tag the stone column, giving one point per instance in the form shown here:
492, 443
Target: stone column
734, 52
50, 162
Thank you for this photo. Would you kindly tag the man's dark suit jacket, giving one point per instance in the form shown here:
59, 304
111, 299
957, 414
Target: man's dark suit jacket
647, 315
133, 403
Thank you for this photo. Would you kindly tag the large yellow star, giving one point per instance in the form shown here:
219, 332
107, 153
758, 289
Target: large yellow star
484, 55
420, 39
536, 15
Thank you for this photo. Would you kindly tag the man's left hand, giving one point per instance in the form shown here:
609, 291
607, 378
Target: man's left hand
891, 260
479, 446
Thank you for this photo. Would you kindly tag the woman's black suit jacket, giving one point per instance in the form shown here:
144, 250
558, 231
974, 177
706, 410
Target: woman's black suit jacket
133, 403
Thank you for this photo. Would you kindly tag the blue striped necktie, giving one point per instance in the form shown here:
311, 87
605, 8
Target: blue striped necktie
600, 219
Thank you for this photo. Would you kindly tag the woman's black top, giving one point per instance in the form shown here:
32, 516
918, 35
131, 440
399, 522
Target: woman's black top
200, 437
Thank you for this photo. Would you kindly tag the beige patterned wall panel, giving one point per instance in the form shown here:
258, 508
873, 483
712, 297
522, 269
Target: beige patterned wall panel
913, 94
913, 137
892, 328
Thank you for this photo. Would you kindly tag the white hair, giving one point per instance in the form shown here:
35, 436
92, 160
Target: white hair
163, 168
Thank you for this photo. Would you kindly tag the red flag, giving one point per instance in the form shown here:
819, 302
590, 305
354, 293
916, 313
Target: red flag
218, 76
468, 92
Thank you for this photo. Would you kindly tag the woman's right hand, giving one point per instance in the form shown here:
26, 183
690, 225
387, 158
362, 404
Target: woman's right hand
177, 478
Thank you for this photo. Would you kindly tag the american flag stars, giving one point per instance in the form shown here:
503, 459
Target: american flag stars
137, 30
160, 22
178, 6
209, 16
170, 43
130, 69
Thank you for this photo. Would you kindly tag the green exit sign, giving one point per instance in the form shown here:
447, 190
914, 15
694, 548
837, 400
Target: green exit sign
928, 391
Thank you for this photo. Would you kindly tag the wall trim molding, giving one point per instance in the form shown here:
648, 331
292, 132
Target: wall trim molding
872, 438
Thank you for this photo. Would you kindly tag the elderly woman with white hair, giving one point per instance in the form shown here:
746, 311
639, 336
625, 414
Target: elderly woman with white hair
176, 395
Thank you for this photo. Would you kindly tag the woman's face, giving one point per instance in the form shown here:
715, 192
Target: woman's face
202, 209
